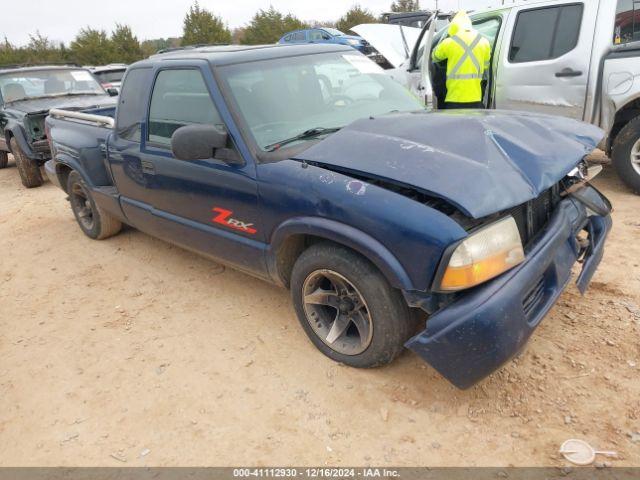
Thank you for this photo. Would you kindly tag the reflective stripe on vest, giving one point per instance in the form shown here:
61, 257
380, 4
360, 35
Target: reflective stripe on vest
468, 53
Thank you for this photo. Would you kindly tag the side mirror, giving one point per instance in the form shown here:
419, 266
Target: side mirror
113, 92
197, 142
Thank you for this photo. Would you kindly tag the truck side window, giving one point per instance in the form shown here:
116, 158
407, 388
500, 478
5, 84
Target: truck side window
180, 97
299, 37
131, 104
627, 24
545, 33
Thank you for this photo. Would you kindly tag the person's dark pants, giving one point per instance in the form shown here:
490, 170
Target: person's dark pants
456, 105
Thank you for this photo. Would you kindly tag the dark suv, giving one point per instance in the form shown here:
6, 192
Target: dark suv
26, 95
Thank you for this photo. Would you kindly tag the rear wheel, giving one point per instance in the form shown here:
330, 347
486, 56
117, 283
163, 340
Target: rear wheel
29, 170
347, 308
93, 220
626, 154
4, 159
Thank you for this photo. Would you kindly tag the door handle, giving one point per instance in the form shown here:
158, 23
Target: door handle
568, 72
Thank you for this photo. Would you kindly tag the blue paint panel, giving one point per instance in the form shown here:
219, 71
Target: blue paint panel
416, 235
482, 161
485, 327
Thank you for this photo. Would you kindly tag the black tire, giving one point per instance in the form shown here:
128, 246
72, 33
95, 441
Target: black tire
391, 322
4, 159
29, 170
93, 220
626, 150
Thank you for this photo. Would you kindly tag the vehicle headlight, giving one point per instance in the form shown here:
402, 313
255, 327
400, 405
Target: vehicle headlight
353, 42
483, 255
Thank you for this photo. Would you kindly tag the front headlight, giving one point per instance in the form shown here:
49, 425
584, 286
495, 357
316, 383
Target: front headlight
483, 255
353, 42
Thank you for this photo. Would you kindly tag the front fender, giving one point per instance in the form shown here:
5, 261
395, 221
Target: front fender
343, 234
17, 132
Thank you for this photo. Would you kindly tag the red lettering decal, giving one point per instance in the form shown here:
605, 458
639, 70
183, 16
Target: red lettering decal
223, 218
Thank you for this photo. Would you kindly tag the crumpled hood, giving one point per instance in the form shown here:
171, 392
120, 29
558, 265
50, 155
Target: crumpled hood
67, 102
482, 162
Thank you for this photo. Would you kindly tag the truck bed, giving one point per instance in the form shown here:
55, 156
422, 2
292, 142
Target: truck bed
82, 136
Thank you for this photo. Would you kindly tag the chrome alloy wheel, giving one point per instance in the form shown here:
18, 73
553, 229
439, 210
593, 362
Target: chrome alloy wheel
82, 205
635, 156
337, 312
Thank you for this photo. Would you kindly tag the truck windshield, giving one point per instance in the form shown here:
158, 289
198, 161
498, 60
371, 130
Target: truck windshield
334, 31
280, 99
29, 84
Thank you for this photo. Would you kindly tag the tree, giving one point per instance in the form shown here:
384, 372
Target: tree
125, 45
42, 50
92, 47
237, 35
9, 54
202, 27
405, 6
355, 16
267, 26
150, 47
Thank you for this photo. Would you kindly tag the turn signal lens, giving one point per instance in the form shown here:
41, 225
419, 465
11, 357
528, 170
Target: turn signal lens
484, 255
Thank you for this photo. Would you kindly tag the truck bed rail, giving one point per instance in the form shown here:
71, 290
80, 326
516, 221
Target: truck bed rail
83, 117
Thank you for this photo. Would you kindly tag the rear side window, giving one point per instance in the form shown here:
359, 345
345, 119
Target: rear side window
299, 37
627, 25
132, 103
180, 97
545, 33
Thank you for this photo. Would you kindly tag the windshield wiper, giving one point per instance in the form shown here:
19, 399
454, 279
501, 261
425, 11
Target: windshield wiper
306, 135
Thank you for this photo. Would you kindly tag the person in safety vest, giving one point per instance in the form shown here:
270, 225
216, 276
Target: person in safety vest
468, 55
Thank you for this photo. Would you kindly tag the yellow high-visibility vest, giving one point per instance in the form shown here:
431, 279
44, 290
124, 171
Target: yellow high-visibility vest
468, 55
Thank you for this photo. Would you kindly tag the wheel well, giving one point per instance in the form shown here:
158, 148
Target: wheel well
63, 172
289, 252
627, 113
7, 137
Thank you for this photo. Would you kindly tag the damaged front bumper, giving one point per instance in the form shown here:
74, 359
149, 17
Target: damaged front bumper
484, 328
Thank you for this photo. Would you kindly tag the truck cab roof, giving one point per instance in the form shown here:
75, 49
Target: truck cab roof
230, 54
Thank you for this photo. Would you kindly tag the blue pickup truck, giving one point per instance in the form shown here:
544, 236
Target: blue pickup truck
451, 233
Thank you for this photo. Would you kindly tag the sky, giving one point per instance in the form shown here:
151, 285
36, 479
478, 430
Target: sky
60, 20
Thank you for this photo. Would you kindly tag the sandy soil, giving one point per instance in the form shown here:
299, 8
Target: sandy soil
133, 352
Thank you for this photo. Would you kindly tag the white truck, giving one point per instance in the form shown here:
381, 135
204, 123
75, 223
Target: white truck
579, 59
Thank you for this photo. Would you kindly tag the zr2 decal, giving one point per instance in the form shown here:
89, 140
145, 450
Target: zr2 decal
223, 217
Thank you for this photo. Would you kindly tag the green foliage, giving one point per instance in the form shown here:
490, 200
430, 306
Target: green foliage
150, 47
202, 27
268, 26
125, 45
405, 6
355, 16
92, 47
39, 50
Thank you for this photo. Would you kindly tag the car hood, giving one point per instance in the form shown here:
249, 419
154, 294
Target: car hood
78, 102
388, 40
349, 37
482, 161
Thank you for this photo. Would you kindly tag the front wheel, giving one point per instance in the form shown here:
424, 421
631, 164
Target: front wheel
28, 169
347, 308
93, 220
626, 154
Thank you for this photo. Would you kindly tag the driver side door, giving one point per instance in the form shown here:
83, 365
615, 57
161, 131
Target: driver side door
209, 206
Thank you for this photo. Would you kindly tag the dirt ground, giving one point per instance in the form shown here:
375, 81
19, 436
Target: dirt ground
133, 352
